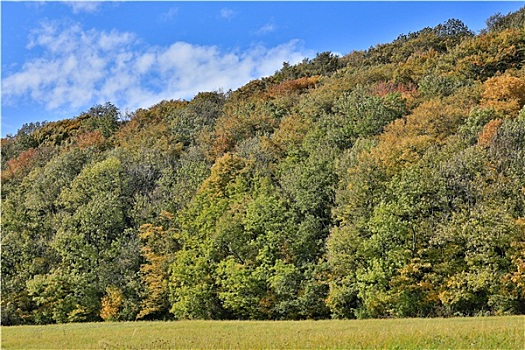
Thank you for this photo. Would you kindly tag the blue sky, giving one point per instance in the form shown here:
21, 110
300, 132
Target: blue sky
61, 58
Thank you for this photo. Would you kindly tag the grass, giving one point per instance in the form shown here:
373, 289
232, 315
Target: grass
454, 333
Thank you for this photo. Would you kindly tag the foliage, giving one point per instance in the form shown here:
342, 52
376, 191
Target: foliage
385, 183
498, 22
505, 94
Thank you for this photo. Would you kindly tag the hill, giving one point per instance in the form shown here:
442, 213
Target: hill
386, 183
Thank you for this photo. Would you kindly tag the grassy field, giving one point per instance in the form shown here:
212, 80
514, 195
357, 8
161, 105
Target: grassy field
454, 333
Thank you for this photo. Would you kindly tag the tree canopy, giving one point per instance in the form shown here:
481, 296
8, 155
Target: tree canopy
388, 182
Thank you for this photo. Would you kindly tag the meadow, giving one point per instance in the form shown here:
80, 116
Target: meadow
452, 333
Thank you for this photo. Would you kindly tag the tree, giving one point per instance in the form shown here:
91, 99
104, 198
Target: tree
158, 248
473, 260
92, 241
28, 228
102, 117
357, 114
193, 291
505, 94
499, 22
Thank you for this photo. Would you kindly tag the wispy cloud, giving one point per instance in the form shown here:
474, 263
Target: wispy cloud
267, 28
169, 15
35, 5
83, 6
72, 69
227, 13
80, 68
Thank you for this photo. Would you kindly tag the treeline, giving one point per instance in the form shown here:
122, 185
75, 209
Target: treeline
386, 183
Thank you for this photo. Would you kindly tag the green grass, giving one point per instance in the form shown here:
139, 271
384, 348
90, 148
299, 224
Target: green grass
454, 333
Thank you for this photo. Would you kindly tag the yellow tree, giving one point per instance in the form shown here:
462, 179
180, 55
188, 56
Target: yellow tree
158, 245
505, 94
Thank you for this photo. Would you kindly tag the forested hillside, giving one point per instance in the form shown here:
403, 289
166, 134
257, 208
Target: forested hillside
386, 183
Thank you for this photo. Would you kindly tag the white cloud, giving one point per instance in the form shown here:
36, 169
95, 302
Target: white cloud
145, 62
114, 40
169, 15
267, 28
227, 13
83, 6
80, 68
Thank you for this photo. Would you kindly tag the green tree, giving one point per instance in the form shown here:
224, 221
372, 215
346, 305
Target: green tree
29, 217
92, 241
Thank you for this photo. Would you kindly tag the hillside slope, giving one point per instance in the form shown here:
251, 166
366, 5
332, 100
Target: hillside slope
386, 183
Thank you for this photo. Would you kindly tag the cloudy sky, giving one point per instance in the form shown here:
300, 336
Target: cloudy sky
61, 58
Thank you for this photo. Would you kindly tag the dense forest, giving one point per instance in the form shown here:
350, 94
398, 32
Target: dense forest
386, 183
